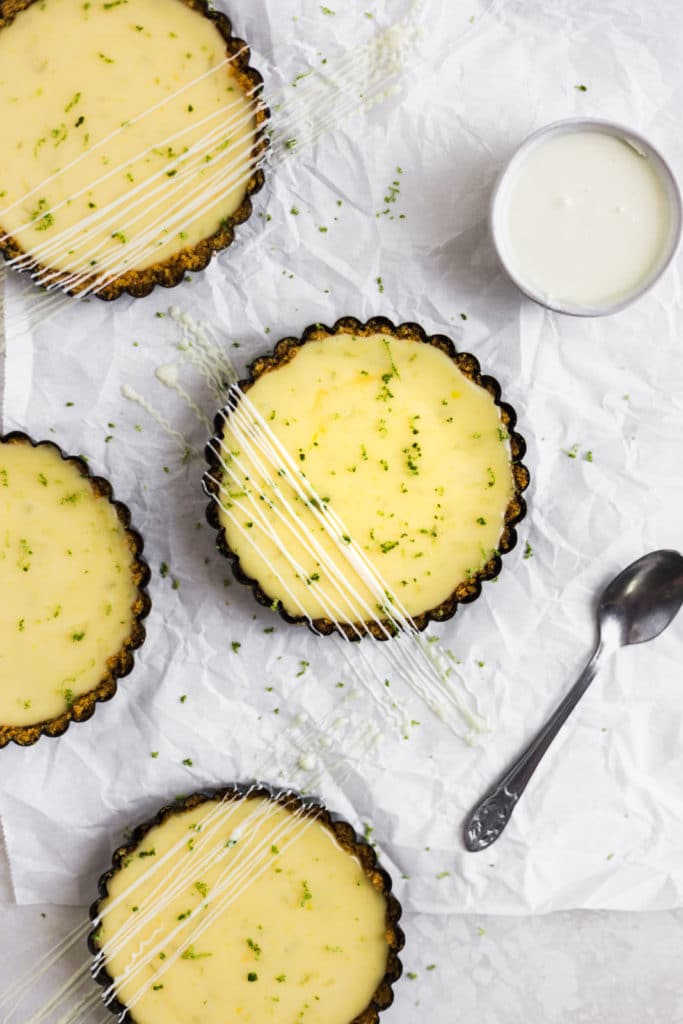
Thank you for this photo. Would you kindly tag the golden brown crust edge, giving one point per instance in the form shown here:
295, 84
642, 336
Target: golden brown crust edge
464, 592
171, 271
120, 664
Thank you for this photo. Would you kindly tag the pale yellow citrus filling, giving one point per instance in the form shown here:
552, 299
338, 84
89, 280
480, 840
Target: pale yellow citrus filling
411, 456
258, 915
65, 577
124, 140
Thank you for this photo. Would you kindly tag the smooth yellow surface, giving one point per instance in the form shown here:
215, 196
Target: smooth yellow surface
305, 922
74, 74
410, 454
66, 593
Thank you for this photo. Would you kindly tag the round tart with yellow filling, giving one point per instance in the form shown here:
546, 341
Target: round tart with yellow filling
132, 132
246, 905
73, 577
366, 477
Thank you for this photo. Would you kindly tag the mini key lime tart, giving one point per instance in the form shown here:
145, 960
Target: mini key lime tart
74, 578
366, 476
246, 905
132, 138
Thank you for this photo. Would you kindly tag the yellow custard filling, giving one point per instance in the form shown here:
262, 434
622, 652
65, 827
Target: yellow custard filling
126, 137
256, 914
66, 585
408, 453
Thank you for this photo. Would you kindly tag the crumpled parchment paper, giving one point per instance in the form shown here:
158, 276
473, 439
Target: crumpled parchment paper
602, 824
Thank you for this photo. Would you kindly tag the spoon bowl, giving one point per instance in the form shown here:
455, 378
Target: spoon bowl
645, 597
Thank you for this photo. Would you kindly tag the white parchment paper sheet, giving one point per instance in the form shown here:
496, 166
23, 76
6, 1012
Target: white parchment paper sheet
602, 825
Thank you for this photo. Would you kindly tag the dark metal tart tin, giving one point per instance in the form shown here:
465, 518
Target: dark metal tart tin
466, 591
120, 664
345, 835
170, 272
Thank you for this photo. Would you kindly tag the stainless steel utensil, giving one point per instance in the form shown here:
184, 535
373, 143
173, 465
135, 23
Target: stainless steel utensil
636, 606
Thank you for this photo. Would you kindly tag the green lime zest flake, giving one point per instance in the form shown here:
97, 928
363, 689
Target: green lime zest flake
571, 452
252, 976
77, 637
307, 894
291, 144
69, 697
327, 10
41, 217
147, 853
280, 978
491, 477
254, 947
188, 762
481, 521
588, 457
72, 102
380, 284
190, 954
107, 60
304, 665
581, 87
388, 545
202, 888
235, 645
528, 550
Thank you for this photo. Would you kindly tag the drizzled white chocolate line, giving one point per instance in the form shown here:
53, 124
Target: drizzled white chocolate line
253, 433
138, 196
428, 670
117, 131
228, 888
374, 66
230, 884
390, 709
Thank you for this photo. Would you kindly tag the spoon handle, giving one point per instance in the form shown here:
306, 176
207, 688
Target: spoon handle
491, 815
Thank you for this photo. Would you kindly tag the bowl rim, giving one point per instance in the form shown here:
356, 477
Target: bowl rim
171, 271
663, 169
311, 806
119, 664
465, 591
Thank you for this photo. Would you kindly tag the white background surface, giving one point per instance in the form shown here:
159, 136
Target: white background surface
459, 116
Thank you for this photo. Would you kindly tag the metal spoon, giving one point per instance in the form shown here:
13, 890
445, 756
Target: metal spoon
636, 606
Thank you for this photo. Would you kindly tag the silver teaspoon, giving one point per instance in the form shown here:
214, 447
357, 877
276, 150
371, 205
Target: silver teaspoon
636, 606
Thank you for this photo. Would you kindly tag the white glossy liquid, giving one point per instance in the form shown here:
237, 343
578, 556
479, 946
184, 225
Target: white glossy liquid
587, 219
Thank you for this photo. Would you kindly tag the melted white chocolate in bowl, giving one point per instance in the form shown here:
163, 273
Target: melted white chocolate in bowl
410, 454
298, 934
126, 135
66, 585
586, 217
